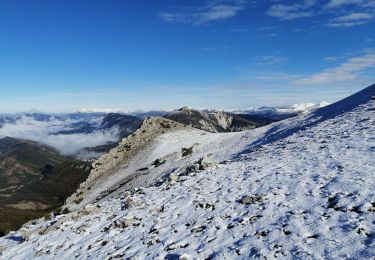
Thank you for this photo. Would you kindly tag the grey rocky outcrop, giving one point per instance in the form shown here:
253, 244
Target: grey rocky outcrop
215, 122
201, 165
118, 158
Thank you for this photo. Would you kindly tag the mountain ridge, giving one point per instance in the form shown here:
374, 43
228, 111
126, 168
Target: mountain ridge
214, 122
298, 188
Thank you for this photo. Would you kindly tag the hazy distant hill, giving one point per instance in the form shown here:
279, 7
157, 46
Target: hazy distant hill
127, 124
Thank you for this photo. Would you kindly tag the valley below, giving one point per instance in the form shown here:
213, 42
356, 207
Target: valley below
34, 181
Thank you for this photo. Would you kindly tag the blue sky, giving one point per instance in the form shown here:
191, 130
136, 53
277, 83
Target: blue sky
140, 54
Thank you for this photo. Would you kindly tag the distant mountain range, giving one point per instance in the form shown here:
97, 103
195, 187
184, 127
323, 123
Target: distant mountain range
90, 133
274, 113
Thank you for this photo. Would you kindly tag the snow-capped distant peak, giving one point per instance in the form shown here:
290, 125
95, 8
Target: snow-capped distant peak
302, 108
99, 110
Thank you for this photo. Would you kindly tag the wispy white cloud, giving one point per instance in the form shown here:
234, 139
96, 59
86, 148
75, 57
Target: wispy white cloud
212, 11
352, 19
341, 3
268, 28
345, 13
292, 11
271, 77
342, 57
215, 48
271, 60
331, 58
347, 71
268, 31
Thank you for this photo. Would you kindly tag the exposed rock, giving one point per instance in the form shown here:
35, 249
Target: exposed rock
333, 201
158, 162
174, 178
212, 121
132, 202
201, 165
193, 168
205, 163
260, 234
197, 229
247, 200
186, 151
174, 246
185, 257
117, 158
128, 222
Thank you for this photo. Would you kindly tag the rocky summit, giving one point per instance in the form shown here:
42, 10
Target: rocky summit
214, 121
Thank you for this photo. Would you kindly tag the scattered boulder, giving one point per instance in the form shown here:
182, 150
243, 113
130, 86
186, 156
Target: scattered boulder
201, 165
333, 201
185, 257
65, 211
205, 163
174, 246
372, 209
187, 151
174, 178
193, 168
132, 202
128, 222
158, 162
197, 229
158, 209
247, 200
260, 234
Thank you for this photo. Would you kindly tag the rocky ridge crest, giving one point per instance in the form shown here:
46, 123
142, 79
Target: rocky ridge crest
118, 158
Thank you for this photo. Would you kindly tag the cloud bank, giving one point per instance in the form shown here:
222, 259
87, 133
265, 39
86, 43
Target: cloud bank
45, 132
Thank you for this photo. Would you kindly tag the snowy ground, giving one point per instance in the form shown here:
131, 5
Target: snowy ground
302, 188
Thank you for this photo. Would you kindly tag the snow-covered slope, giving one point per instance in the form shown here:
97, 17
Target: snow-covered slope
302, 188
281, 112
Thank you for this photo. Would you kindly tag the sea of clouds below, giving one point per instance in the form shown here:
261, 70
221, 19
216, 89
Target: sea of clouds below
45, 132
